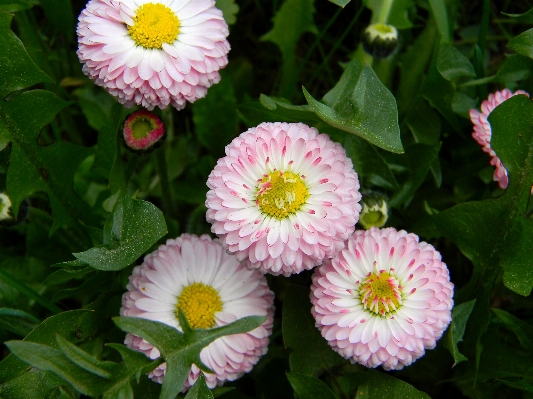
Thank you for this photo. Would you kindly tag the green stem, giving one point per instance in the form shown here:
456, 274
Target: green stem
384, 12
168, 120
30, 293
161, 166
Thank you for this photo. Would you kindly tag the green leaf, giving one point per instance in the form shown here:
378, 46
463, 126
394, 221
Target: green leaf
84, 372
294, 18
229, 10
199, 390
59, 14
215, 130
455, 332
96, 104
17, 70
398, 14
181, 350
439, 12
17, 321
19, 381
360, 104
270, 109
382, 386
34, 167
368, 163
526, 17
307, 387
515, 68
439, 91
12, 6
522, 330
311, 354
523, 43
452, 64
341, 3
495, 233
136, 226
417, 160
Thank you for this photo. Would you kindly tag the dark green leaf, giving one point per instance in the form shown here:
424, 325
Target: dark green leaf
439, 91
17, 70
455, 332
181, 350
307, 387
12, 6
137, 225
526, 17
59, 14
515, 68
310, 352
272, 110
215, 130
439, 12
424, 123
229, 9
452, 64
96, 104
199, 390
35, 168
495, 233
82, 358
523, 43
368, 163
360, 104
294, 18
522, 330
382, 386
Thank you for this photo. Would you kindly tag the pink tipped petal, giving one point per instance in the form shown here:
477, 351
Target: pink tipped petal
180, 263
384, 323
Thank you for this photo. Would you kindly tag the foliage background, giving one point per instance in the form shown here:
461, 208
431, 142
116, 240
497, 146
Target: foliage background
63, 269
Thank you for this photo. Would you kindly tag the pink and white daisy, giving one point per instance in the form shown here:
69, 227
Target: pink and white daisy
482, 131
384, 299
153, 53
213, 289
284, 198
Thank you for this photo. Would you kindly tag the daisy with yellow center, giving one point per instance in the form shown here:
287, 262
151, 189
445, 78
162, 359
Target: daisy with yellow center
383, 299
195, 275
284, 198
153, 53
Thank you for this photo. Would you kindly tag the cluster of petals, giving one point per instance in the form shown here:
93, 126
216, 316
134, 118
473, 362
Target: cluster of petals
148, 139
178, 72
396, 338
304, 238
483, 133
155, 285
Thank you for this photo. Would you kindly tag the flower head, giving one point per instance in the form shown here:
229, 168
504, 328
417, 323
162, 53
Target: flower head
284, 198
153, 53
212, 289
380, 40
384, 299
143, 131
5, 207
482, 131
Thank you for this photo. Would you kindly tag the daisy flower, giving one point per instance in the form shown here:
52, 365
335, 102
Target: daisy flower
384, 299
482, 132
284, 198
153, 53
212, 289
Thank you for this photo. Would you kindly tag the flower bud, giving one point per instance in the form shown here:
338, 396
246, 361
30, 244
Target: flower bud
374, 212
380, 40
6, 212
143, 132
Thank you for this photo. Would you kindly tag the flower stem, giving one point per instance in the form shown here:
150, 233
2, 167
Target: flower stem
384, 12
161, 167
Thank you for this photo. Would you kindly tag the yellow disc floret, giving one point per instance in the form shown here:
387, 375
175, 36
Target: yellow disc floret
281, 194
199, 302
380, 293
153, 25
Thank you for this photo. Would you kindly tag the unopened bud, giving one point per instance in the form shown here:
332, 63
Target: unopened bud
374, 212
7, 219
380, 40
143, 132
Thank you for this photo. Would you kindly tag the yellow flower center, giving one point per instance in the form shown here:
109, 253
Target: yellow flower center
199, 302
281, 193
153, 25
380, 293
